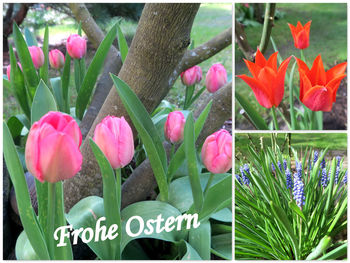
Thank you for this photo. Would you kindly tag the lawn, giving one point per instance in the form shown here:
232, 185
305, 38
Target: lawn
328, 37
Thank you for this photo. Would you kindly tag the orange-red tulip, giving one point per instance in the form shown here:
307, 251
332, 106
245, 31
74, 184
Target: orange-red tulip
300, 34
267, 82
318, 88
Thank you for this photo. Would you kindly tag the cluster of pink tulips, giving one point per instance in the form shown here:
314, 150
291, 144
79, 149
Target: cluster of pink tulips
52, 151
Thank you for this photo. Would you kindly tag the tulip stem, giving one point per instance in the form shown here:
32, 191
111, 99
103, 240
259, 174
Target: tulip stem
172, 151
210, 180
273, 111
51, 217
118, 176
302, 55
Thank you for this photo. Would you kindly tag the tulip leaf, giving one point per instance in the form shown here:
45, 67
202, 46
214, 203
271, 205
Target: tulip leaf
222, 245
23, 249
325, 242
44, 70
43, 102
336, 253
150, 210
26, 211
30, 38
15, 126
65, 83
191, 157
179, 156
93, 72
17, 84
148, 133
111, 199
218, 197
253, 115
200, 239
123, 45
29, 72
85, 214
189, 252
56, 84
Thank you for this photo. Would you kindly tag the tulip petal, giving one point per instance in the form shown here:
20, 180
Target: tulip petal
302, 40
253, 68
335, 71
125, 143
32, 152
60, 157
260, 59
293, 32
209, 154
260, 92
317, 73
318, 98
333, 85
307, 28
272, 61
305, 85
279, 84
221, 164
72, 129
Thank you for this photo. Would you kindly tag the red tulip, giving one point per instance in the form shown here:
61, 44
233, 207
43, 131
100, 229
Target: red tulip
52, 150
267, 82
114, 137
318, 88
191, 76
37, 56
216, 78
300, 34
217, 152
76, 46
174, 127
8, 70
56, 59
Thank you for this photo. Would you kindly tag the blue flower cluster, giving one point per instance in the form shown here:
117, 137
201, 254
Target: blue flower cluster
315, 157
298, 191
336, 178
273, 167
299, 169
345, 181
324, 179
279, 165
289, 179
323, 164
285, 164
238, 179
244, 172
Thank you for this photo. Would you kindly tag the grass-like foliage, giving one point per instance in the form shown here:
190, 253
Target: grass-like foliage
290, 206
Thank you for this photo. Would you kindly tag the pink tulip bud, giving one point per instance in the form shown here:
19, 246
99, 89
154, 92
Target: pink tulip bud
52, 150
76, 46
8, 70
217, 152
37, 56
191, 76
56, 59
114, 137
174, 127
216, 78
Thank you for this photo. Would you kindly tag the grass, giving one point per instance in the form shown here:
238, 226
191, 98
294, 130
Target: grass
335, 141
328, 37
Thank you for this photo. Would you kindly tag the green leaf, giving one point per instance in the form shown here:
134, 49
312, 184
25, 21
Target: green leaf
148, 133
23, 249
291, 99
30, 75
179, 156
191, 157
43, 102
57, 92
200, 239
222, 245
189, 252
93, 72
336, 253
65, 83
30, 38
111, 200
77, 75
296, 209
17, 84
223, 215
217, 197
44, 70
325, 242
253, 115
26, 211
147, 210
15, 126
85, 214
123, 45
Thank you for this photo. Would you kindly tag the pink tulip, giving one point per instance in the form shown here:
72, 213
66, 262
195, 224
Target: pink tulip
174, 127
191, 76
8, 70
52, 150
56, 59
216, 78
76, 46
217, 152
114, 137
37, 56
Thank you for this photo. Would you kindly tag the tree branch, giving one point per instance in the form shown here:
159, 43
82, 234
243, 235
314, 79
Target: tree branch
242, 42
268, 24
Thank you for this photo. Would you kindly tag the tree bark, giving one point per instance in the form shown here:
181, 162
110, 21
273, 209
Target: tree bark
142, 182
161, 39
242, 42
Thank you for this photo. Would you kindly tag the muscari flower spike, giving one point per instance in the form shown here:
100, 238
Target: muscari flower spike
298, 191
299, 169
279, 165
315, 157
323, 164
238, 179
338, 158
285, 164
337, 171
244, 177
289, 179
273, 167
345, 180
324, 179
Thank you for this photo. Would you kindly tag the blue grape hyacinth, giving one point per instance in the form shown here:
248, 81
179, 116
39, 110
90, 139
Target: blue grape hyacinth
323, 164
289, 179
338, 158
238, 179
337, 171
324, 178
273, 167
285, 164
345, 180
299, 169
315, 157
298, 191
279, 165
244, 169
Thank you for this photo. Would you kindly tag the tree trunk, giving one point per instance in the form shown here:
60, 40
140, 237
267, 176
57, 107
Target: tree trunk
161, 39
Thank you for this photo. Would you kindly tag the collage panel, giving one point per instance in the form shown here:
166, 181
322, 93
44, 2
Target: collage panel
117, 131
290, 63
290, 196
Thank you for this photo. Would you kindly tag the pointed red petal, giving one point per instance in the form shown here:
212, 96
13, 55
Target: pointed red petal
318, 98
335, 71
317, 73
253, 68
260, 59
272, 61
